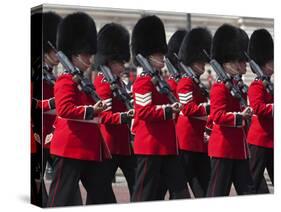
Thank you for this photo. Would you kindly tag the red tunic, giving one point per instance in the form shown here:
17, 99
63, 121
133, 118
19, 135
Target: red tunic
46, 104
173, 84
228, 137
154, 133
48, 119
115, 134
33, 145
261, 129
74, 136
192, 119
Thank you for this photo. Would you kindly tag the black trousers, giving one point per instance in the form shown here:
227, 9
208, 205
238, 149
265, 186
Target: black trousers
161, 190
197, 169
224, 172
46, 158
67, 173
153, 170
77, 198
34, 194
261, 159
128, 166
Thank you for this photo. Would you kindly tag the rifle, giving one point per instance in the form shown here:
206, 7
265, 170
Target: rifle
190, 73
117, 90
234, 91
48, 76
241, 84
172, 70
158, 81
259, 72
84, 84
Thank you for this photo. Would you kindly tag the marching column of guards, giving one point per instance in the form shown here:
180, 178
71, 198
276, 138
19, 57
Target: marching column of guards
171, 133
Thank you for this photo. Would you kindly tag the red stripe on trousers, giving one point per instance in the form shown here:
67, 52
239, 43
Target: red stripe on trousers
144, 173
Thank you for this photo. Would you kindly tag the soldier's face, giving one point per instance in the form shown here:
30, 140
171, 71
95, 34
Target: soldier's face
51, 59
242, 67
231, 68
268, 68
116, 67
82, 61
157, 60
198, 67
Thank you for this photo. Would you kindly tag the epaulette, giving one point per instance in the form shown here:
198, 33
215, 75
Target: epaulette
100, 74
185, 76
219, 80
144, 74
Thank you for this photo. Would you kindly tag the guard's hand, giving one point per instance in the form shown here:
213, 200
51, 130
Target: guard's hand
247, 113
131, 113
206, 137
37, 138
176, 107
99, 107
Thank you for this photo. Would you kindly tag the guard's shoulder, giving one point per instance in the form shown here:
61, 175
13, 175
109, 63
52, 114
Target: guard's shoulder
143, 81
101, 78
256, 83
144, 74
101, 83
219, 81
218, 85
65, 77
257, 80
143, 77
185, 81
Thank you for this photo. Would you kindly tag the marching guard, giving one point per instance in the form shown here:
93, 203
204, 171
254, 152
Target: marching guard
173, 47
77, 144
260, 135
227, 144
192, 118
113, 51
155, 144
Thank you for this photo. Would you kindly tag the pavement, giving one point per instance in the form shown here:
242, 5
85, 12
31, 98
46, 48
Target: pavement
122, 194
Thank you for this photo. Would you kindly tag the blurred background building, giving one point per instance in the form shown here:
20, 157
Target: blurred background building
172, 21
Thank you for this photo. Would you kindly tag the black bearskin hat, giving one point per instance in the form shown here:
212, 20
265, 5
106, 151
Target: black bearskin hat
36, 36
51, 21
244, 44
197, 40
148, 37
261, 47
226, 44
113, 43
77, 34
174, 45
